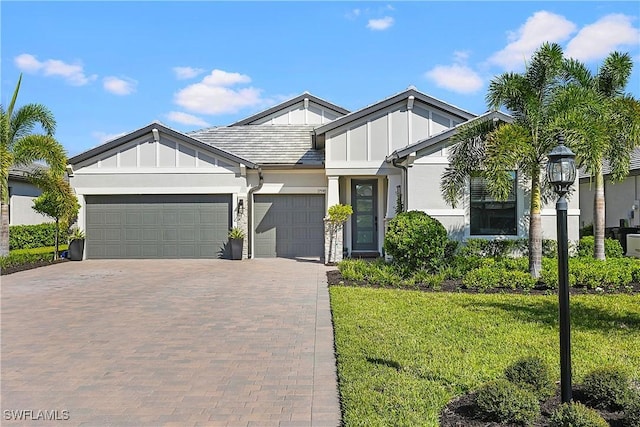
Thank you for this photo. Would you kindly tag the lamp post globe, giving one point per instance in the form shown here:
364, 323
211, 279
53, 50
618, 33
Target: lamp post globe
561, 173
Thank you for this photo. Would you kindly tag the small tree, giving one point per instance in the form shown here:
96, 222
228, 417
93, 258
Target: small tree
338, 215
57, 201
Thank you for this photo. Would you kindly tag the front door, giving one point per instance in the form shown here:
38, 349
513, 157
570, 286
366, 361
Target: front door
364, 221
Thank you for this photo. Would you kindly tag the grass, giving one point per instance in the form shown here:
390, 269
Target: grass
43, 250
402, 355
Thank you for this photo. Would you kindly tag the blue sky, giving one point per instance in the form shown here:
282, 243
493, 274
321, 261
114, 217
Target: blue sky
107, 68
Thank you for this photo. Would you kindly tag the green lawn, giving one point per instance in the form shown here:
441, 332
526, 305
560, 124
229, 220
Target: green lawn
402, 355
42, 250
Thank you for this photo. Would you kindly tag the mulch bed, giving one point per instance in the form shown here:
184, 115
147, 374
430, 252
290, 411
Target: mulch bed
335, 278
460, 412
29, 266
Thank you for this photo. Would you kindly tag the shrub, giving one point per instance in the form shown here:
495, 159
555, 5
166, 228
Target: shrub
533, 374
490, 277
432, 281
632, 413
587, 230
505, 402
575, 414
607, 388
374, 272
416, 242
16, 259
610, 274
34, 236
612, 247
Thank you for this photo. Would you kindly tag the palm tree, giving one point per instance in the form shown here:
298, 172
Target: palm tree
491, 150
20, 146
605, 125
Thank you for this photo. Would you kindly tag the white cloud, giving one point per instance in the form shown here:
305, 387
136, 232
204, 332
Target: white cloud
105, 137
380, 24
186, 119
72, 73
353, 14
183, 73
541, 27
118, 86
607, 34
456, 78
214, 94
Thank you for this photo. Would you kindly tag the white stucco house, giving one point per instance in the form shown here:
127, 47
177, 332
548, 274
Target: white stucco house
157, 192
622, 198
22, 193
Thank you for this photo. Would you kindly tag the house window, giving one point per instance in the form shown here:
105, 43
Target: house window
488, 215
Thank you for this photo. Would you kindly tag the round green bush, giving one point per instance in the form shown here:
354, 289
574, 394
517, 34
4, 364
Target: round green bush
505, 402
575, 414
607, 388
532, 373
632, 413
416, 242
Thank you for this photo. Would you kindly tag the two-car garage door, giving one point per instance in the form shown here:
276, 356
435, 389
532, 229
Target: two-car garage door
157, 226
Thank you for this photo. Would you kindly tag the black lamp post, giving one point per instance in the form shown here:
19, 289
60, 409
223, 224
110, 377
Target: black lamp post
561, 173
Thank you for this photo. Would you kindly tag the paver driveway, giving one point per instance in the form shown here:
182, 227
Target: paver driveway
169, 342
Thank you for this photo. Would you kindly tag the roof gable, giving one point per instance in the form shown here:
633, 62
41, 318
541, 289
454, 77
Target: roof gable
444, 135
405, 96
160, 128
306, 109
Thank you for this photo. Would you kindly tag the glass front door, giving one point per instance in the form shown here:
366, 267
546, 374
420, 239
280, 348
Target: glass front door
364, 221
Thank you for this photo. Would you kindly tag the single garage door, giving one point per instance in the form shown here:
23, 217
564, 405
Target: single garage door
157, 226
289, 225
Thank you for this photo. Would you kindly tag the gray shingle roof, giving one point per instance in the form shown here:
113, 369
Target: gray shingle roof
268, 144
23, 171
634, 165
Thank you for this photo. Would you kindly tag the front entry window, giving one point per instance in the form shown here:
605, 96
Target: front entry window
364, 220
488, 215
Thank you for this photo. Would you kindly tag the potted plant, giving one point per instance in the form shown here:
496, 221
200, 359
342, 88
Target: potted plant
76, 244
236, 240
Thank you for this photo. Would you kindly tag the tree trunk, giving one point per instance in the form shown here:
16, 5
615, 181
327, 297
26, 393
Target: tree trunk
535, 227
598, 217
55, 252
4, 233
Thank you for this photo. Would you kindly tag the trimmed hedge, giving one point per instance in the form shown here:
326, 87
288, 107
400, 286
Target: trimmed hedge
612, 247
531, 373
607, 388
16, 259
35, 236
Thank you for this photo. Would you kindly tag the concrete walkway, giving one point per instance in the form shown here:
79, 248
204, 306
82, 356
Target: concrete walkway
169, 342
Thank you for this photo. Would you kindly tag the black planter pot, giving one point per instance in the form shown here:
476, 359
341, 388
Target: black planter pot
236, 248
76, 250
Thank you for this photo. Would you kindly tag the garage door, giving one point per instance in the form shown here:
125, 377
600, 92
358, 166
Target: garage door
157, 226
289, 225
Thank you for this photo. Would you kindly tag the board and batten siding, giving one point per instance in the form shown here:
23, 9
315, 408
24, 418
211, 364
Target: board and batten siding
144, 153
297, 114
373, 138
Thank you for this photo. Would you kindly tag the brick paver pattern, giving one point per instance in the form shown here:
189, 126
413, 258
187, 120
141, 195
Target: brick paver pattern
169, 342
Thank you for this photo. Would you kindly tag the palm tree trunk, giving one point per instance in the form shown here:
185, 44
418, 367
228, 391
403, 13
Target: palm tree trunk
598, 217
4, 233
55, 251
535, 227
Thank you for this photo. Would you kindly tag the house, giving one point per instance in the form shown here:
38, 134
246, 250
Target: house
622, 199
156, 192
21, 196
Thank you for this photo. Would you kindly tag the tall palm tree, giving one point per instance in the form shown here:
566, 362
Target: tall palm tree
605, 124
491, 150
20, 146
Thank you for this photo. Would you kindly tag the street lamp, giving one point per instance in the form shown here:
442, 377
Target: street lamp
561, 173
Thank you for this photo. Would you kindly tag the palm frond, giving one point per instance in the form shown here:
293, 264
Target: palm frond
32, 148
26, 118
614, 74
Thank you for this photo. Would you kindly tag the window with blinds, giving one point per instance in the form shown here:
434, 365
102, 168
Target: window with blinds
488, 215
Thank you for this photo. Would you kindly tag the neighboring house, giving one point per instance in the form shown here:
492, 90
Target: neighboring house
21, 195
622, 199
156, 192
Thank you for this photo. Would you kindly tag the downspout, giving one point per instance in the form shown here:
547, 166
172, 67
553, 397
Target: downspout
250, 213
405, 182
